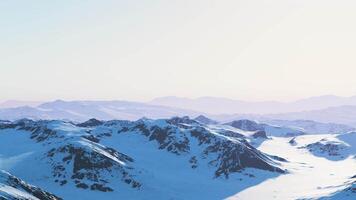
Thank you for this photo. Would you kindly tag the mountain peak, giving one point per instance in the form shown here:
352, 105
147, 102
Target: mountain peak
205, 120
91, 123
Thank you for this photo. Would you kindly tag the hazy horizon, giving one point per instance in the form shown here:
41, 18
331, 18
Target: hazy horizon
180, 97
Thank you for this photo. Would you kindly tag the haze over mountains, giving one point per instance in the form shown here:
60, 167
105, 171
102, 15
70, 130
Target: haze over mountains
16, 103
216, 105
341, 114
329, 109
84, 110
326, 109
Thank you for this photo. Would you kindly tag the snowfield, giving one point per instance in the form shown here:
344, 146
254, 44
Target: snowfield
310, 176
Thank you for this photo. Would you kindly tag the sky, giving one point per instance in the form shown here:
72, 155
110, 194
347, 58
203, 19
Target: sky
139, 50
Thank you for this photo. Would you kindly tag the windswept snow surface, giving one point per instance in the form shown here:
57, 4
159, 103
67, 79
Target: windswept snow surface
309, 177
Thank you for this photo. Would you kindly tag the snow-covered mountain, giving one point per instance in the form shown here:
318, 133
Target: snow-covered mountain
312, 127
334, 147
13, 188
84, 110
330, 120
270, 130
302, 122
175, 158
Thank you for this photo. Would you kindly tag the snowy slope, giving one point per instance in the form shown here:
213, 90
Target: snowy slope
348, 193
309, 177
13, 188
177, 158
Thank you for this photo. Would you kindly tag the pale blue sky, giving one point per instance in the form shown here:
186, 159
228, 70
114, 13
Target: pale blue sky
138, 50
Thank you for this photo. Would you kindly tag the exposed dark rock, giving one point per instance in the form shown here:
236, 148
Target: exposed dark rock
100, 187
42, 134
6, 124
330, 149
278, 158
39, 130
260, 134
88, 165
165, 137
249, 125
63, 182
91, 123
180, 120
92, 138
194, 162
292, 141
82, 185
246, 125
202, 135
233, 157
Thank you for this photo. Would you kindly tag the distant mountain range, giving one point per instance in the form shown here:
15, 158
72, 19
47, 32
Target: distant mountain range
16, 103
326, 109
84, 110
215, 105
310, 126
313, 114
